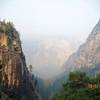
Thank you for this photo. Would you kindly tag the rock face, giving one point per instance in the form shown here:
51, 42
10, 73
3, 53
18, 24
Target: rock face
16, 81
88, 55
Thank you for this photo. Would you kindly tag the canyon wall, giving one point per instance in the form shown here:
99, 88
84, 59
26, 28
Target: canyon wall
15, 79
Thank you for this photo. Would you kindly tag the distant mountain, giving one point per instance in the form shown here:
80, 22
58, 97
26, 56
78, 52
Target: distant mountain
88, 55
48, 57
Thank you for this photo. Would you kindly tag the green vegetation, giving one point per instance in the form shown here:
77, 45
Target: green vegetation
80, 87
7, 27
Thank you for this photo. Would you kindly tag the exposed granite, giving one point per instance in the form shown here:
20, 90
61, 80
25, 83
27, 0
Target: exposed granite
16, 81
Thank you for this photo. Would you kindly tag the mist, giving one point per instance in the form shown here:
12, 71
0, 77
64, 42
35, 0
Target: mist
55, 20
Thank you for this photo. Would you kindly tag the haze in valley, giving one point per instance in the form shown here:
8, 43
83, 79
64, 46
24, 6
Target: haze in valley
51, 30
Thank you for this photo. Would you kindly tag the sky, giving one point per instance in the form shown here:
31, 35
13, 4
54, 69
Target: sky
66, 19
38, 20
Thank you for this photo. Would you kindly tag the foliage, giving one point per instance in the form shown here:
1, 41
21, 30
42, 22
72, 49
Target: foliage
80, 87
7, 27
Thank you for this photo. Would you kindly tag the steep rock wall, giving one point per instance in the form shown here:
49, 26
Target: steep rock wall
16, 81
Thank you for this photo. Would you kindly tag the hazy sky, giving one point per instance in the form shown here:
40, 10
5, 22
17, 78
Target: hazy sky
52, 18
71, 20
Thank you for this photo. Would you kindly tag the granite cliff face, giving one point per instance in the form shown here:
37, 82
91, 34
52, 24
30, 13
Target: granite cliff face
17, 83
88, 55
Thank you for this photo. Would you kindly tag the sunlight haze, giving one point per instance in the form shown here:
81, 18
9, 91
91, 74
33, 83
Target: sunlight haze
65, 23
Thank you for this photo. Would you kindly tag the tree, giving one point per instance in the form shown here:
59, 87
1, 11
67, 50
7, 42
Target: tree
30, 68
76, 88
7, 27
78, 76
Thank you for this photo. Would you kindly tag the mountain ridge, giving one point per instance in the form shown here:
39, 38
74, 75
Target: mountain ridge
88, 54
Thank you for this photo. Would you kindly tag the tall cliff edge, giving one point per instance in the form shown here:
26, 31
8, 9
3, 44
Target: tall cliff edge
88, 55
16, 82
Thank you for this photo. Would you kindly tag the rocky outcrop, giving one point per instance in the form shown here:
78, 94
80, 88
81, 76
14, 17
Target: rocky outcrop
15, 79
88, 55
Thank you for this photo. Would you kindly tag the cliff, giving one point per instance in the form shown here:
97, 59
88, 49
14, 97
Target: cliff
88, 55
16, 82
